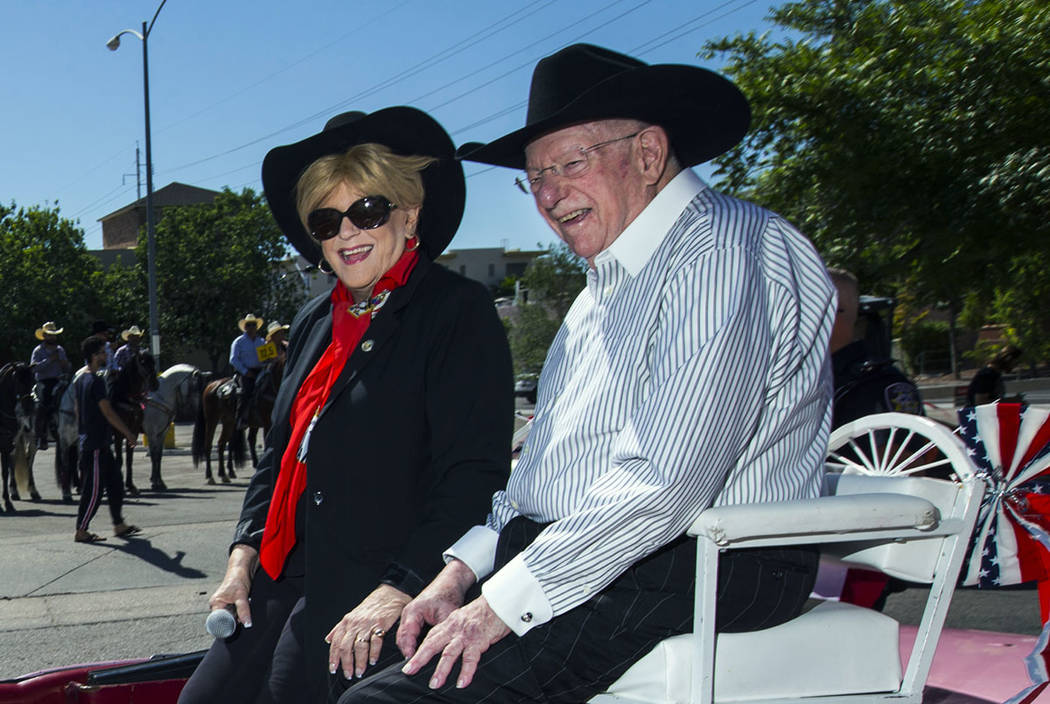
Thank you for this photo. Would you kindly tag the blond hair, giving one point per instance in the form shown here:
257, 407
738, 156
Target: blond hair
370, 168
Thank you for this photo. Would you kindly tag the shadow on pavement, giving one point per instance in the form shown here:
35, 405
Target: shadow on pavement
143, 549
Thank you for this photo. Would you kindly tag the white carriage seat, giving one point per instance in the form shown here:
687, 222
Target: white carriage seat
855, 649
899, 525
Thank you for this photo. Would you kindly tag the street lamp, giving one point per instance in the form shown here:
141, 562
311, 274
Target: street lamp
151, 235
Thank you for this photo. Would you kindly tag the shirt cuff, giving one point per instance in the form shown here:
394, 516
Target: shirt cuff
476, 549
517, 598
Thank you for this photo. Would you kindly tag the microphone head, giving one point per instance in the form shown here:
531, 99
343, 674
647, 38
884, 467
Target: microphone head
220, 624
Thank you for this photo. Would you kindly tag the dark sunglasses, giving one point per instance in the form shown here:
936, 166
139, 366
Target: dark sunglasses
366, 214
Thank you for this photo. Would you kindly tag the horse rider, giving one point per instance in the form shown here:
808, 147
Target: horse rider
102, 331
277, 335
132, 338
244, 358
50, 365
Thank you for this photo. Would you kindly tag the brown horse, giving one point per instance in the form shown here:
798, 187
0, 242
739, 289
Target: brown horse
127, 393
218, 406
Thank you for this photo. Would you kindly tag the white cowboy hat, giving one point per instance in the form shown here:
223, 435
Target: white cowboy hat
250, 318
48, 328
274, 328
133, 330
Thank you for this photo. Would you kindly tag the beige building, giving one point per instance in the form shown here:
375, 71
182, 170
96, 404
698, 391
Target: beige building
489, 265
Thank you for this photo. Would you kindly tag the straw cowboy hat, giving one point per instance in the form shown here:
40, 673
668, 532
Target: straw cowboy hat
704, 114
134, 330
48, 328
250, 318
406, 131
274, 328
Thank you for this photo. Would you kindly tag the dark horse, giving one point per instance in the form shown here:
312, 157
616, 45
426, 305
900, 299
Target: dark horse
218, 405
127, 393
17, 410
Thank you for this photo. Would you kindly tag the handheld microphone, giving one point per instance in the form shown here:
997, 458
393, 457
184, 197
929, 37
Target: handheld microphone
221, 623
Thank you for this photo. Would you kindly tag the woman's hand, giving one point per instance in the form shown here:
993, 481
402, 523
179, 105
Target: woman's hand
237, 583
357, 639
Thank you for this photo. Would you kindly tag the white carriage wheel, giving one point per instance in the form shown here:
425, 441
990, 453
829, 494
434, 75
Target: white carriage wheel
898, 444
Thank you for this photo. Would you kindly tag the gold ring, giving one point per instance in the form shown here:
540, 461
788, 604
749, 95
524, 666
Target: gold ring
378, 632
362, 640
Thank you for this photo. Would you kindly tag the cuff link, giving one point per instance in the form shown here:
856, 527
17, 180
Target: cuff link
526, 617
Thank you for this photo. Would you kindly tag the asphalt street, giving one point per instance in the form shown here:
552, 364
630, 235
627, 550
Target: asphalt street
63, 602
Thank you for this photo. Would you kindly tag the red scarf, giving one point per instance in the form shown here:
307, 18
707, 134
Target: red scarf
349, 322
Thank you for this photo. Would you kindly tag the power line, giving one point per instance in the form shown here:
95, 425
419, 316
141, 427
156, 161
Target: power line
490, 30
420, 66
681, 31
458, 47
340, 40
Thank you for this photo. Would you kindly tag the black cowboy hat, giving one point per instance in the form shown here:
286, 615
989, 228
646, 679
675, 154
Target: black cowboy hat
406, 131
704, 114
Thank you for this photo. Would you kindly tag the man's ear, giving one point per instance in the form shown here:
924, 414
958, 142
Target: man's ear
654, 148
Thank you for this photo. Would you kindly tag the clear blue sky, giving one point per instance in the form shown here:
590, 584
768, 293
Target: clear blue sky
229, 80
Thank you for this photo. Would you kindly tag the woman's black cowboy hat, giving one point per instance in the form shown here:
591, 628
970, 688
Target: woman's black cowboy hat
704, 114
406, 131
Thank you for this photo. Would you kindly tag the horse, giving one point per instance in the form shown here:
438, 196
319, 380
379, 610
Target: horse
68, 441
127, 392
261, 410
25, 447
218, 405
178, 384
17, 411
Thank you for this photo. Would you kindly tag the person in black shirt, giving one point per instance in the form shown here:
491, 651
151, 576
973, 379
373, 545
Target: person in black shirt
95, 461
987, 384
865, 383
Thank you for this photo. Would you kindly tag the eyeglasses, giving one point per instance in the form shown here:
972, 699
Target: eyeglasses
367, 213
573, 164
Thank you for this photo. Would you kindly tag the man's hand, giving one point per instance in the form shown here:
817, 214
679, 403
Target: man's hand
466, 633
434, 604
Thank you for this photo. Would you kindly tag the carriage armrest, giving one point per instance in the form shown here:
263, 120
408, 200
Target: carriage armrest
847, 517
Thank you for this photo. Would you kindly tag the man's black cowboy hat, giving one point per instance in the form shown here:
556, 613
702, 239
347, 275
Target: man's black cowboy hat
406, 131
704, 114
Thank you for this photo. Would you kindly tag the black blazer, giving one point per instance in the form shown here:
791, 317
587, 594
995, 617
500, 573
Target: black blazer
408, 450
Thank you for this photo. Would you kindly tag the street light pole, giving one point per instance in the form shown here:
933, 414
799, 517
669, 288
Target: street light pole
151, 234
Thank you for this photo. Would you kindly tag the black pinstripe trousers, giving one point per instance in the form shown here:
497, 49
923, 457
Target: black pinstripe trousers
581, 652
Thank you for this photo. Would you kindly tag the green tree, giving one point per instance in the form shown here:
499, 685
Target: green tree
901, 135
124, 297
555, 278
552, 282
1022, 302
215, 263
45, 274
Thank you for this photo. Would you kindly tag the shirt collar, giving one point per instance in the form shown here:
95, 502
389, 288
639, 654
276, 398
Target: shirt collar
636, 244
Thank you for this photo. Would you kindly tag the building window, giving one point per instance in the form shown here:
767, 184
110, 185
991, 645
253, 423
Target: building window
516, 268
492, 270
463, 269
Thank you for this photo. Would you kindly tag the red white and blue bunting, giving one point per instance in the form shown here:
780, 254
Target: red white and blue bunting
1009, 444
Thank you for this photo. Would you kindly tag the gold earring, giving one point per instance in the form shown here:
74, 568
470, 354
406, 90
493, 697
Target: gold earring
321, 265
413, 244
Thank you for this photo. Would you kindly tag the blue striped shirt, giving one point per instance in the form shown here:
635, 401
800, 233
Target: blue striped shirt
690, 372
